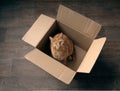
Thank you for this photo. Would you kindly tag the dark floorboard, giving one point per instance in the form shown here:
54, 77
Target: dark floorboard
18, 74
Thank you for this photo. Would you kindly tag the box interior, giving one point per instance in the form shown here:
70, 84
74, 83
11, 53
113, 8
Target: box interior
80, 48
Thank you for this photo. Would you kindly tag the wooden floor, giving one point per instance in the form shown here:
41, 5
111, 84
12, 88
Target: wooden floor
18, 74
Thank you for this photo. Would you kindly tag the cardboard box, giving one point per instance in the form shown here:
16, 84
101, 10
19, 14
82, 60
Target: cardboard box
79, 28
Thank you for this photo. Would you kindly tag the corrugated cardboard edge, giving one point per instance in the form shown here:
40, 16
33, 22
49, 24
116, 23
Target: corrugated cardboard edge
51, 66
38, 30
92, 55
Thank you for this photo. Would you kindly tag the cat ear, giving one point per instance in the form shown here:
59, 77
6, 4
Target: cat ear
50, 38
61, 35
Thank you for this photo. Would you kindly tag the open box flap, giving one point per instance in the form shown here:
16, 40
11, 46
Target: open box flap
92, 55
78, 22
38, 30
50, 65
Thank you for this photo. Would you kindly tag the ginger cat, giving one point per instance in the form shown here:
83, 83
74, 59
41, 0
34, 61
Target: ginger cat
61, 47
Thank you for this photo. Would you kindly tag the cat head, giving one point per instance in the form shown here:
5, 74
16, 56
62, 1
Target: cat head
57, 42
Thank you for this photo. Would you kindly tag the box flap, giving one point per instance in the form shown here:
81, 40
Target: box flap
50, 65
78, 22
38, 30
92, 55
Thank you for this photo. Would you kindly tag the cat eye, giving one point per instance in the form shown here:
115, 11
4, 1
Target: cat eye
61, 43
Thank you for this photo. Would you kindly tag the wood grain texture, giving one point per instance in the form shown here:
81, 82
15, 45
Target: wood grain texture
18, 74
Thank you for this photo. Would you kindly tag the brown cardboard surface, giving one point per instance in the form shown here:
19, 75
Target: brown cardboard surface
38, 30
50, 65
78, 22
91, 55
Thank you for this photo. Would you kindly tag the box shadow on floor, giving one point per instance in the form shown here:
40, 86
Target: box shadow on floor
100, 77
